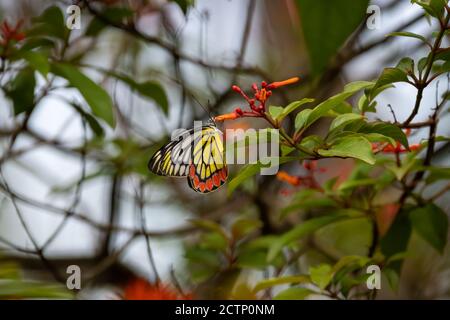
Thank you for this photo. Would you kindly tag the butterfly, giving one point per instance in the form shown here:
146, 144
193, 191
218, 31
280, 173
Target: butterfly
196, 154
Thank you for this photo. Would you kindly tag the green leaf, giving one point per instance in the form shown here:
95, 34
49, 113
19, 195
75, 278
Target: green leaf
301, 119
344, 119
184, 4
253, 254
377, 137
113, 14
392, 277
307, 117
321, 275
293, 293
422, 64
17, 289
97, 98
437, 173
347, 236
312, 142
21, 91
275, 111
252, 169
389, 76
91, 121
350, 147
442, 54
352, 184
426, 5
213, 241
33, 43
50, 23
408, 34
268, 283
386, 129
147, 89
301, 230
396, 239
438, 6
243, 227
407, 165
209, 225
346, 261
431, 223
280, 114
335, 19
406, 65
206, 257
36, 60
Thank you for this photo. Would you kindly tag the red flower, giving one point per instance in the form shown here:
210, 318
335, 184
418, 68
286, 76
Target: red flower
257, 104
398, 148
9, 33
140, 289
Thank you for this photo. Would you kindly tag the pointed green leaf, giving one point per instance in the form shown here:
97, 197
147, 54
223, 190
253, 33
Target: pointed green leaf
335, 19
431, 223
321, 275
97, 98
407, 34
21, 90
350, 147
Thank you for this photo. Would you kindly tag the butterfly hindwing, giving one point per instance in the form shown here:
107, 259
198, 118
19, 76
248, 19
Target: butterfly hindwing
208, 170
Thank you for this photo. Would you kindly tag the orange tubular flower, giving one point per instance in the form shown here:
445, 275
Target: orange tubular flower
278, 84
284, 176
227, 116
140, 289
257, 104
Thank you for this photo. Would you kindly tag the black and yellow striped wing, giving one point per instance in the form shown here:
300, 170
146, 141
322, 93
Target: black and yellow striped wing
208, 170
174, 158
197, 154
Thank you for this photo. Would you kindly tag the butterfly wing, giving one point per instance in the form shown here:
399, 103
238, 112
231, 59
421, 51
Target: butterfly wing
174, 158
208, 170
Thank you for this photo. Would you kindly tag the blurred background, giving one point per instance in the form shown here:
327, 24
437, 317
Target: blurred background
87, 197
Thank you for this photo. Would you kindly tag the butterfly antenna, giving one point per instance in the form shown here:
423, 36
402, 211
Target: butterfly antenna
206, 109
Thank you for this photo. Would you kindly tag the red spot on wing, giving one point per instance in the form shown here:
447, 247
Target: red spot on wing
202, 187
209, 184
223, 174
192, 171
216, 179
196, 182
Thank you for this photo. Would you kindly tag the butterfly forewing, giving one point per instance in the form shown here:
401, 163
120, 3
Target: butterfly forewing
173, 159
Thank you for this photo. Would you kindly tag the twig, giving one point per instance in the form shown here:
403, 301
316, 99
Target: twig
38, 250
140, 197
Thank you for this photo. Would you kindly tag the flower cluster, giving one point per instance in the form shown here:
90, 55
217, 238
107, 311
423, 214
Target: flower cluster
9, 33
140, 289
398, 148
257, 103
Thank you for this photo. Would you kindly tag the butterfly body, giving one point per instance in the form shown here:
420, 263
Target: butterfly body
196, 154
